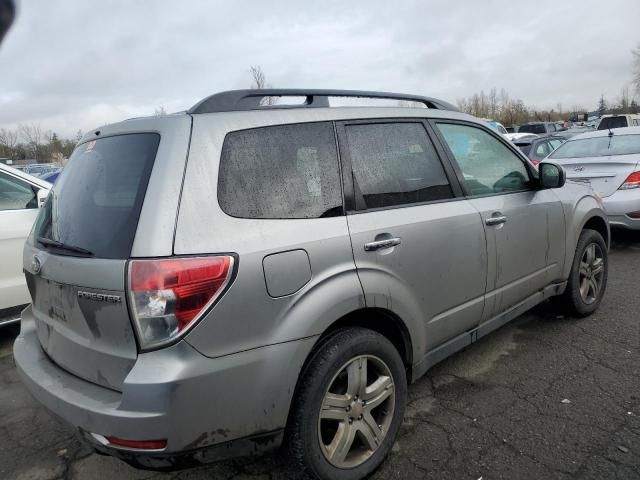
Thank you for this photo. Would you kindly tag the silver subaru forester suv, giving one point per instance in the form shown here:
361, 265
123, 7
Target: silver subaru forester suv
241, 276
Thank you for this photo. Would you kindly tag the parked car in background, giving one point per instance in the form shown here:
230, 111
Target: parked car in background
537, 148
342, 252
20, 196
494, 125
51, 177
608, 160
40, 169
521, 136
539, 128
619, 121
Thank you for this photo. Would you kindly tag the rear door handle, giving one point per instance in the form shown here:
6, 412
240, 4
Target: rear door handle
380, 244
496, 219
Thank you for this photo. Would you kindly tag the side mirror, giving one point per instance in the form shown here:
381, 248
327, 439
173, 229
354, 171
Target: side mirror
42, 195
551, 175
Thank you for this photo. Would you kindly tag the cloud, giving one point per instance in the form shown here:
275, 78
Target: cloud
69, 64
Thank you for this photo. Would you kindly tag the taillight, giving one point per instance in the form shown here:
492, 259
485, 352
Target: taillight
137, 444
632, 181
535, 162
168, 296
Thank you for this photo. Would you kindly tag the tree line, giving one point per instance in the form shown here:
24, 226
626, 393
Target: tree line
30, 142
513, 111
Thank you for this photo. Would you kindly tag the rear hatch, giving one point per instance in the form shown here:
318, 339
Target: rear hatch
604, 161
76, 257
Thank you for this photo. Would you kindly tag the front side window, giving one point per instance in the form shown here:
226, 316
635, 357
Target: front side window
487, 165
16, 194
395, 164
285, 171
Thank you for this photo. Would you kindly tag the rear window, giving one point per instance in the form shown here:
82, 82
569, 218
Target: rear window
535, 128
285, 171
96, 201
598, 147
613, 122
524, 147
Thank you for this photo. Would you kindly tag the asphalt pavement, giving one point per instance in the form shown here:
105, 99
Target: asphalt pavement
544, 397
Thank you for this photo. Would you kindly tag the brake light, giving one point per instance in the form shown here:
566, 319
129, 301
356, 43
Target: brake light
168, 296
535, 162
137, 444
632, 181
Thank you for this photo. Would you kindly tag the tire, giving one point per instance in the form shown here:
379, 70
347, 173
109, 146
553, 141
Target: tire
314, 442
573, 301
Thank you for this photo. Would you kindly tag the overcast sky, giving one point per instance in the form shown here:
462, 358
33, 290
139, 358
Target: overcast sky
77, 64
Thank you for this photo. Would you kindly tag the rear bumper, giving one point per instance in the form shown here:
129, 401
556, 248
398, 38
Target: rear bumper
619, 204
206, 409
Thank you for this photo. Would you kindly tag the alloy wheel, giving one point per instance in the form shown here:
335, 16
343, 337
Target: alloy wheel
356, 412
591, 273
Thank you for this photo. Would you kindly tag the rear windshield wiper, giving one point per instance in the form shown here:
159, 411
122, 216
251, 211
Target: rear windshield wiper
64, 246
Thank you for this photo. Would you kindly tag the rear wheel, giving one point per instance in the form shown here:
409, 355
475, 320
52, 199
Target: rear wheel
588, 278
349, 406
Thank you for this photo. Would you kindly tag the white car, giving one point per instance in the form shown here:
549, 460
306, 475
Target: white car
608, 160
20, 197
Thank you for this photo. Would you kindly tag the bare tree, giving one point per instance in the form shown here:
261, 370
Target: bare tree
636, 67
8, 142
32, 137
624, 100
159, 111
259, 80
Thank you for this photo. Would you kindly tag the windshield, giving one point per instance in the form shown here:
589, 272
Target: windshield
598, 147
95, 203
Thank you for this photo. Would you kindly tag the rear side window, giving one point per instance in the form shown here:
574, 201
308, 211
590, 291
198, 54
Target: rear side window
95, 203
395, 164
286, 171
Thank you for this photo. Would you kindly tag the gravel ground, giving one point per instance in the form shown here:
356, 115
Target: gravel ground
544, 397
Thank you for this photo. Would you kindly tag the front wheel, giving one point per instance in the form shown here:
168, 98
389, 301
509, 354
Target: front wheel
349, 406
588, 278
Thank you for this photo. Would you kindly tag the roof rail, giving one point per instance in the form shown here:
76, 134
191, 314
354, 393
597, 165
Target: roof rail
244, 100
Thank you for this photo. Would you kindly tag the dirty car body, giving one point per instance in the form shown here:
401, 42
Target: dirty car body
432, 271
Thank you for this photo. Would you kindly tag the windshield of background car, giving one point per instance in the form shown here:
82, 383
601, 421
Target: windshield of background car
598, 147
613, 122
96, 201
537, 128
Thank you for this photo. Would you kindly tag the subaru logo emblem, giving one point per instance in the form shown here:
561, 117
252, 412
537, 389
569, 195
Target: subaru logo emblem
36, 266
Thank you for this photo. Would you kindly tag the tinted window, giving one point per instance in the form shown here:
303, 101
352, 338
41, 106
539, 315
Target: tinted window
524, 147
395, 164
599, 147
97, 198
488, 166
287, 171
16, 194
613, 122
534, 128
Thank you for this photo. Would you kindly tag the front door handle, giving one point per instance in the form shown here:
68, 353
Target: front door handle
496, 220
380, 244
